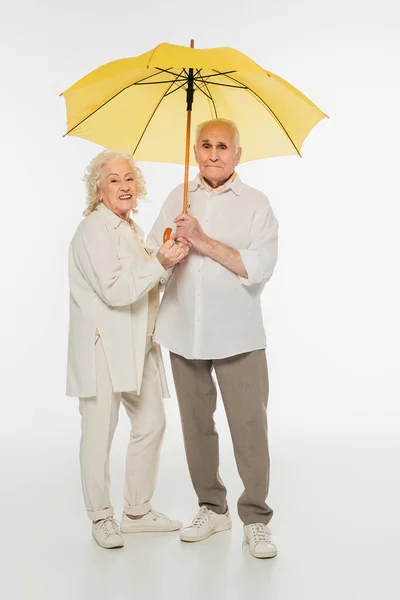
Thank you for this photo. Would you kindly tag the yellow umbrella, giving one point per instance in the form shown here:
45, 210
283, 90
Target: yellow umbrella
138, 105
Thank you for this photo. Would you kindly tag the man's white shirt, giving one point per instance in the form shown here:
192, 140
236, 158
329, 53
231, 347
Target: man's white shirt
207, 311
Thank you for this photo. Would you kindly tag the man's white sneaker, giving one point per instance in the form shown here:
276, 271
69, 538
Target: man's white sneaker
205, 523
106, 533
257, 537
152, 521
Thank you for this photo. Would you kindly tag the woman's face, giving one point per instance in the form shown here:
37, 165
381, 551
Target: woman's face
118, 188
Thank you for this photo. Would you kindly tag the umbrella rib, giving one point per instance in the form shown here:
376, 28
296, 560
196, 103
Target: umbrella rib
160, 70
213, 102
235, 87
268, 108
196, 85
149, 77
158, 82
217, 74
177, 88
120, 92
178, 76
152, 115
208, 96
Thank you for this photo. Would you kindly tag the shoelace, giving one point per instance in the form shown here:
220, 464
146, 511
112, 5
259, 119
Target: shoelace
109, 526
260, 533
202, 517
157, 515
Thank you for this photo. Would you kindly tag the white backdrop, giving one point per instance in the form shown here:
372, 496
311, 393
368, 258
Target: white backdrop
331, 308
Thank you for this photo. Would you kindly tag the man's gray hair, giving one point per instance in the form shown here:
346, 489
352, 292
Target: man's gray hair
231, 124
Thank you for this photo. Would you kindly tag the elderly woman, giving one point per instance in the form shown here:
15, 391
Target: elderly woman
114, 297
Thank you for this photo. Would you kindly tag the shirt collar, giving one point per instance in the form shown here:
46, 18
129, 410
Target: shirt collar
113, 219
236, 185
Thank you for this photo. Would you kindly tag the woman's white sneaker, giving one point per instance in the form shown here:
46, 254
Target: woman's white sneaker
107, 534
257, 537
205, 523
151, 521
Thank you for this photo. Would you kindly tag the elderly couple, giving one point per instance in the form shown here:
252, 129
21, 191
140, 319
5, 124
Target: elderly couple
212, 270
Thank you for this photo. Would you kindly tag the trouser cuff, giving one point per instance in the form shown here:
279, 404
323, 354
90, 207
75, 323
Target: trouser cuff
97, 515
256, 519
140, 509
219, 510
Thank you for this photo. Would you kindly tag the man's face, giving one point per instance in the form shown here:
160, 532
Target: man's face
118, 187
215, 153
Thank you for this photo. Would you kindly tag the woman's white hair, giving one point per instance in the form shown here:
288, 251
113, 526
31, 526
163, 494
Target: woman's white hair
231, 124
93, 177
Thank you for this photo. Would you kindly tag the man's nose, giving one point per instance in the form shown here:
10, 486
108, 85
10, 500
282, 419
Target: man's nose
214, 155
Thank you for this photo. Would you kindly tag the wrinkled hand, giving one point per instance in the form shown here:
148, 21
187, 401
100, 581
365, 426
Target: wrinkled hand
180, 240
171, 253
188, 228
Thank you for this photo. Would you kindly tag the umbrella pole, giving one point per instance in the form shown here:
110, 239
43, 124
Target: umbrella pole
186, 181
189, 103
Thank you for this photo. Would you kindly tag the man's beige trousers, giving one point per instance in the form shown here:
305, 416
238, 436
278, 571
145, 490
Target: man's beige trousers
243, 381
99, 420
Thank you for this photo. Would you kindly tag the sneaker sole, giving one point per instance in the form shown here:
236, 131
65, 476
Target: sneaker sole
116, 545
263, 554
219, 529
148, 529
270, 554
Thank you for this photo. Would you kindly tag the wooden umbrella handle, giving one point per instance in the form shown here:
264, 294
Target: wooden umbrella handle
168, 231
167, 234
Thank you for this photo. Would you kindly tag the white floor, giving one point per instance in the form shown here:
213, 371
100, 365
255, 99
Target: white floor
336, 523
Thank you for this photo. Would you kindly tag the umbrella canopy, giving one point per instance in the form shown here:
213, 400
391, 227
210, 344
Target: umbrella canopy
139, 104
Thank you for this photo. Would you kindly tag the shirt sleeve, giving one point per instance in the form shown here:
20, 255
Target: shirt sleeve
97, 259
260, 258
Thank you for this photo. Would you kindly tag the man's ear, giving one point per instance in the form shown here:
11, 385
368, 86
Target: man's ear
195, 153
238, 155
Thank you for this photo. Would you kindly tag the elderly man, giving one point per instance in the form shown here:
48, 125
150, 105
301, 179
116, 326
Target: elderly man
211, 319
